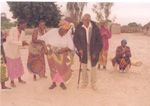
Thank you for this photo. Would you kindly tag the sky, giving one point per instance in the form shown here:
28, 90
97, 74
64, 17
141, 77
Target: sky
125, 12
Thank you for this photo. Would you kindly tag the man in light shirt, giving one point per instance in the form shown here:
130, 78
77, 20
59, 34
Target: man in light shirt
88, 42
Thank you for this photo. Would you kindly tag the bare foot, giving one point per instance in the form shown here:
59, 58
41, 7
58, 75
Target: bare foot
44, 76
34, 78
21, 81
84, 86
13, 85
94, 87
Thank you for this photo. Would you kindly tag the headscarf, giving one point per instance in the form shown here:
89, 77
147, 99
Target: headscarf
64, 24
124, 40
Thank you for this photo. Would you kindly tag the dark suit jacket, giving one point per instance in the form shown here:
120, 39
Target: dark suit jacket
96, 44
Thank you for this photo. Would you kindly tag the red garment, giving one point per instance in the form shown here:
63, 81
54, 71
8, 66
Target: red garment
19, 35
105, 38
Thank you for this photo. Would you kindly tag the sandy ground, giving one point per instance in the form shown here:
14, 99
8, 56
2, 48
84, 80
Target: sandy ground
114, 88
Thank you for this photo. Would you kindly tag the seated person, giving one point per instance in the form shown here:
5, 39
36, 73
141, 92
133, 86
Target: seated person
122, 57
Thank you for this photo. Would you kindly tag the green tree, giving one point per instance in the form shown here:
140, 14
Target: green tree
133, 24
33, 12
5, 22
75, 9
102, 10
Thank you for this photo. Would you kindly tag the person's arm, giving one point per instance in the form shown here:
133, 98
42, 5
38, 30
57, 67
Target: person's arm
60, 51
128, 52
34, 37
119, 52
108, 34
35, 40
3, 37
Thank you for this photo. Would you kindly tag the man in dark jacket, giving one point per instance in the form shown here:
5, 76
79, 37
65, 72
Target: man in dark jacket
88, 42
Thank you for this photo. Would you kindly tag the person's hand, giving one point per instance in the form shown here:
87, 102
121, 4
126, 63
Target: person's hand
42, 50
48, 45
60, 51
93, 57
81, 53
5, 35
46, 51
24, 43
105, 33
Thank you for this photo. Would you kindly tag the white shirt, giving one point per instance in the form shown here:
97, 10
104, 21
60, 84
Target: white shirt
87, 31
13, 43
53, 38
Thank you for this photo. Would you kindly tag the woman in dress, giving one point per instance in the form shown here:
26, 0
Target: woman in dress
37, 48
59, 43
3, 69
13, 56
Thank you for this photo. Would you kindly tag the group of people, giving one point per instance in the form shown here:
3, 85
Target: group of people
87, 40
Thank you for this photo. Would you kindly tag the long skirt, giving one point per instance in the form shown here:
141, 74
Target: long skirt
14, 67
103, 57
60, 72
123, 62
3, 70
36, 64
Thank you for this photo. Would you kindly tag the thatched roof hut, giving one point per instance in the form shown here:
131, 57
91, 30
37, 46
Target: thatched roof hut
146, 29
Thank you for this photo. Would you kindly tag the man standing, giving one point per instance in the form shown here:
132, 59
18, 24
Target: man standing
104, 53
88, 42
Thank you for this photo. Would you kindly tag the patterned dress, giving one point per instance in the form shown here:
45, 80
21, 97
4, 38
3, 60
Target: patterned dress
60, 72
3, 68
36, 61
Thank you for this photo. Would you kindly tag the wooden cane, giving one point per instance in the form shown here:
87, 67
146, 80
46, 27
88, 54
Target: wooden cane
79, 72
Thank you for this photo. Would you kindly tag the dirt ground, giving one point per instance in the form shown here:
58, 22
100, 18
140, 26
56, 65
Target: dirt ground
114, 88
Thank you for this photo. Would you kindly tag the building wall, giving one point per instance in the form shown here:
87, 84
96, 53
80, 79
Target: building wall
114, 28
148, 33
128, 29
145, 31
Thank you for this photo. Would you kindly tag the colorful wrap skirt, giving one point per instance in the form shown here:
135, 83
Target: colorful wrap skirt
60, 72
3, 70
123, 62
36, 64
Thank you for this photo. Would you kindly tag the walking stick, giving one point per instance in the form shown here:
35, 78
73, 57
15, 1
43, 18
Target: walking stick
79, 72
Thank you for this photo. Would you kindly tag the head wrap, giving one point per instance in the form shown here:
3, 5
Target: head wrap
66, 15
64, 24
124, 40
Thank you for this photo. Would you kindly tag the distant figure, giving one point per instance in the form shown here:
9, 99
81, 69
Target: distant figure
104, 52
13, 55
3, 69
37, 48
88, 42
59, 42
122, 57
